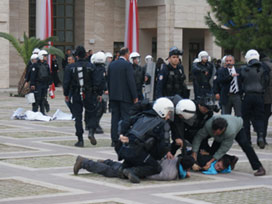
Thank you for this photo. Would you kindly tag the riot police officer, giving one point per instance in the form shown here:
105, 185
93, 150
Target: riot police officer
80, 80
203, 72
99, 60
147, 141
139, 73
255, 78
40, 80
172, 77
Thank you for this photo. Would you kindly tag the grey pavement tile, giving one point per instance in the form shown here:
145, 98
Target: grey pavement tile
70, 143
243, 196
42, 161
12, 188
246, 168
4, 127
32, 134
4, 148
267, 149
144, 182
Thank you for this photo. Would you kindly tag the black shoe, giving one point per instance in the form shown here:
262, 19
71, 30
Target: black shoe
233, 162
260, 172
47, 106
79, 144
131, 176
91, 137
261, 142
99, 130
78, 164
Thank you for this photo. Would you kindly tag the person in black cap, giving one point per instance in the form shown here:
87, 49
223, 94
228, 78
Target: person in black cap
171, 79
80, 82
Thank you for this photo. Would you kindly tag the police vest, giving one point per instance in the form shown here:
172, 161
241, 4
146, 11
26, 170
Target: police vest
43, 72
253, 79
174, 81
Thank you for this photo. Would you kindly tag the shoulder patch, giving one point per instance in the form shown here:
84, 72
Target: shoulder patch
161, 77
33, 69
214, 78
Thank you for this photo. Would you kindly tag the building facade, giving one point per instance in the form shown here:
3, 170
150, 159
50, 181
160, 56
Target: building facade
100, 25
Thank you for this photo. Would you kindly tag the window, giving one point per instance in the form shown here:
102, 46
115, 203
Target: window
63, 22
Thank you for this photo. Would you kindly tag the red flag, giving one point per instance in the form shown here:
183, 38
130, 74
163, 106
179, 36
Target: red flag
44, 28
132, 28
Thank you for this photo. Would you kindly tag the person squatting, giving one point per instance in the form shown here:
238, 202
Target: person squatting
167, 136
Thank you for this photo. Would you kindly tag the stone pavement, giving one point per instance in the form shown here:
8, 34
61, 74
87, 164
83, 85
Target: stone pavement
36, 161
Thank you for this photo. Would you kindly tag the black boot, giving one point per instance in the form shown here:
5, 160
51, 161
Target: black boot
129, 173
78, 164
79, 144
46, 106
260, 140
99, 130
91, 136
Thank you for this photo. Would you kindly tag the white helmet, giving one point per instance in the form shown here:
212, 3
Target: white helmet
186, 108
223, 61
134, 55
252, 54
99, 58
108, 54
36, 51
41, 54
34, 56
148, 58
92, 58
203, 54
196, 60
162, 106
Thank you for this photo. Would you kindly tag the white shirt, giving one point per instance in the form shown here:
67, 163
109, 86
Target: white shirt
233, 71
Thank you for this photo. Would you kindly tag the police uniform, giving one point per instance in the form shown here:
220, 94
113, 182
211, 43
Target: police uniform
40, 77
149, 141
55, 69
254, 81
171, 82
202, 76
79, 81
99, 90
139, 75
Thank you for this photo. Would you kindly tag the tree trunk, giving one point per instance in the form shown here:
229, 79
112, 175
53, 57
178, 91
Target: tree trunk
23, 87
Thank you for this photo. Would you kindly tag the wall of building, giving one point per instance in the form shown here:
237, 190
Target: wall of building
104, 24
18, 24
4, 48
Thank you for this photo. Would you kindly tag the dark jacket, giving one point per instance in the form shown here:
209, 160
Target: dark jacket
268, 91
121, 82
224, 79
255, 77
35, 76
70, 82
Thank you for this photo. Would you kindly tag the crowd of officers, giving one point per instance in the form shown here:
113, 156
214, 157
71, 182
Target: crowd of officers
141, 130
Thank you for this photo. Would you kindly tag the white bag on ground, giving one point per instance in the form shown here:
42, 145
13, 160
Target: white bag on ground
30, 98
59, 115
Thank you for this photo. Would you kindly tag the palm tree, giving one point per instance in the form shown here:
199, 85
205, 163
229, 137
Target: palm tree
25, 49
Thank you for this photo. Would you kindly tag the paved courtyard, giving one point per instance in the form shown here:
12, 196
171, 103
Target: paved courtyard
36, 161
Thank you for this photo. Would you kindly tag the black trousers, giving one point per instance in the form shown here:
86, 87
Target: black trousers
90, 113
119, 111
107, 168
40, 96
253, 111
141, 162
101, 109
244, 143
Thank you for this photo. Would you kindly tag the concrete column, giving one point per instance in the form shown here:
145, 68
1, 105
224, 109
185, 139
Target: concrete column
4, 48
209, 45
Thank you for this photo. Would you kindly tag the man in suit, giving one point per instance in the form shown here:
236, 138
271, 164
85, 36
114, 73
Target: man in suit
231, 87
122, 91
